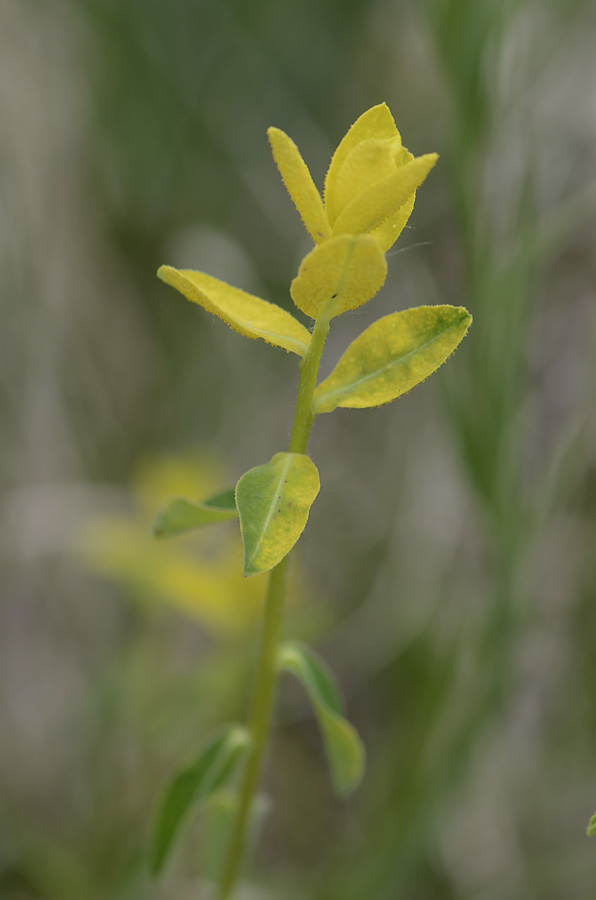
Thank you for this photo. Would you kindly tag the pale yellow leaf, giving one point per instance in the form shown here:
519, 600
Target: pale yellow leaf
390, 229
376, 122
370, 161
299, 184
340, 274
384, 198
392, 356
251, 316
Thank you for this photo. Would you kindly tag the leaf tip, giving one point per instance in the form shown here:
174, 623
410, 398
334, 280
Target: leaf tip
466, 315
277, 138
429, 160
166, 273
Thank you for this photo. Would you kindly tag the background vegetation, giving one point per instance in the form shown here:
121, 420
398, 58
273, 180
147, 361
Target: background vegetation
448, 569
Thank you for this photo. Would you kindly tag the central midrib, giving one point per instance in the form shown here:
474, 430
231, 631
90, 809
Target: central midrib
262, 331
269, 516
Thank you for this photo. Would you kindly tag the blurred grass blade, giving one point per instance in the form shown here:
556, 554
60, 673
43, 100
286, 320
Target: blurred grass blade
592, 827
180, 514
245, 313
392, 356
345, 749
273, 502
192, 785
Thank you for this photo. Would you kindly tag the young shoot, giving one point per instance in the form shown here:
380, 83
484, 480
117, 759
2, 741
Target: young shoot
368, 197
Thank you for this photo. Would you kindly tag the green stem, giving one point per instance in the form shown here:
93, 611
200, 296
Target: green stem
309, 367
259, 723
264, 691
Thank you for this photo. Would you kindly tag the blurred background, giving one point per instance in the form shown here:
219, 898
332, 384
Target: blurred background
448, 569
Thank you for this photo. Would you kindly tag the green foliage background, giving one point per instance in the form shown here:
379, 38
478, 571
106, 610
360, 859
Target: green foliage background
447, 571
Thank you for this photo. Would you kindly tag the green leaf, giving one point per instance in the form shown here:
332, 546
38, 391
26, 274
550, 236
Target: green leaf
592, 827
345, 749
245, 313
195, 784
392, 356
273, 502
180, 514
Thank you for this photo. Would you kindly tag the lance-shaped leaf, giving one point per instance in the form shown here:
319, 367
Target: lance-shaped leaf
392, 356
193, 785
299, 184
338, 275
382, 199
180, 514
251, 316
345, 750
592, 827
273, 502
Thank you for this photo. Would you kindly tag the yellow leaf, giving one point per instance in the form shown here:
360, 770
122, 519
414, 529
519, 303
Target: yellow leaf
340, 274
251, 316
384, 198
273, 502
299, 184
392, 356
369, 162
376, 122
390, 229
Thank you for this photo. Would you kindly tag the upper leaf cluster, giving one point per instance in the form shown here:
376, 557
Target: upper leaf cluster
368, 197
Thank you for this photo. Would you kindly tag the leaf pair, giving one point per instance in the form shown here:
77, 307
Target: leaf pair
204, 779
273, 502
389, 358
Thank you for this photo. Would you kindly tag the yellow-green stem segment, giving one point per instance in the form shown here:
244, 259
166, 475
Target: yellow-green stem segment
264, 691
